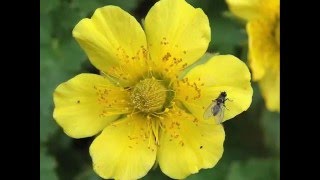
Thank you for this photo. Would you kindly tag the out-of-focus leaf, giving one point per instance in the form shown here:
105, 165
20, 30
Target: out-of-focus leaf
48, 5
228, 14
88, 174
217, 172
59, 141
270, 122
64, 20
69, 56
48, 80
255, 169
86, 8
73, 158
155, 174
211, 8
45, 29
244, 53
226, 36
127, 5
44, 35
47, 166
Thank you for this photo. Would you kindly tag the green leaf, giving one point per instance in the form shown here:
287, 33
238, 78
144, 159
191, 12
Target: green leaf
217, 172
59, 142
69, 56
48, 81
45, 29
211, 8
47, 166
228, 14
270, 122
64, 20
155, 174
88, 174
226, 36
127, 5
86, 8
90, 6
255, 169
48, 5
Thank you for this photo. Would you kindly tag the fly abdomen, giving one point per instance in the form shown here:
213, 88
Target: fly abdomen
215, 109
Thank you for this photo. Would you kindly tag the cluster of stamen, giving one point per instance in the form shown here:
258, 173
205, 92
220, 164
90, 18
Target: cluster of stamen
149, 95
131, 67
114, 100
174, 127
172, 62
189, 89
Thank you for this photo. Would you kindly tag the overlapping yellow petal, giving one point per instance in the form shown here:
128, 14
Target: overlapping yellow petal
263, 46
270, 90
124, 150
177, 33
188, 144
253, 9
110, 36
205, 82
79, 109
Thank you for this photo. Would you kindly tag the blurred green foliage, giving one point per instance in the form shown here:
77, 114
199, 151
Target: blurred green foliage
252, 144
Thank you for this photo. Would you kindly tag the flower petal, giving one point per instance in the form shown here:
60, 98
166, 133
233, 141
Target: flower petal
270, 90
177, 33
188, 144
79, 109
253, 9
263, 47
109, 37
124, 150
205, 82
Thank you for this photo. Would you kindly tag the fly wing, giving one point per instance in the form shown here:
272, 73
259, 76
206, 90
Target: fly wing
220, 115
208, 113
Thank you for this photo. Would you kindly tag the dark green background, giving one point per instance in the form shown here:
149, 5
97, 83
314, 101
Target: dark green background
252, 138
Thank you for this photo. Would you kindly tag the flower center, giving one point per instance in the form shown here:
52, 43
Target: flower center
149, 95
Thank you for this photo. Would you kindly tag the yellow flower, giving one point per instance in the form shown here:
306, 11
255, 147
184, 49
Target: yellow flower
147, 114
263, 29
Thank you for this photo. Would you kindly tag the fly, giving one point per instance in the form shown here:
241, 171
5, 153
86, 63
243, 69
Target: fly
216, 108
